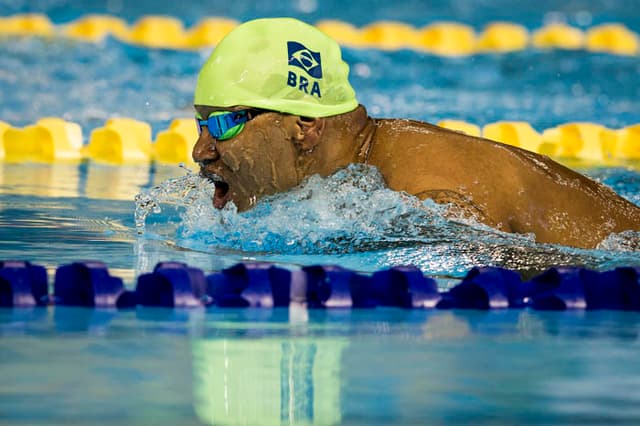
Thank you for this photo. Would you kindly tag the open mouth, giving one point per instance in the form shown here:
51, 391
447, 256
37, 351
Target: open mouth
221, 194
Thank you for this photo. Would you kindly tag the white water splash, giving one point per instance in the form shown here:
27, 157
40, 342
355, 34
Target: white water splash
351, 210
347, 213
186, 191
627, 241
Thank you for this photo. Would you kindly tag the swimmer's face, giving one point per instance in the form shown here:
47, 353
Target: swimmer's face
259, 161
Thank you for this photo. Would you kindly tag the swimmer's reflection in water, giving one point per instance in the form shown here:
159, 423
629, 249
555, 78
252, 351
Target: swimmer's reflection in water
274, 106
395, 366
267, 381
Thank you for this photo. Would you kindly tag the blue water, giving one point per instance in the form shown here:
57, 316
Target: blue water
71, 365
543, 88
384, 366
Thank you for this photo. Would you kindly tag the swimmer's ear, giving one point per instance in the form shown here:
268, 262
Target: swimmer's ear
308, 132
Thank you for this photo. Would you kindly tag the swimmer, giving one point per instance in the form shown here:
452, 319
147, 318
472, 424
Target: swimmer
274, 106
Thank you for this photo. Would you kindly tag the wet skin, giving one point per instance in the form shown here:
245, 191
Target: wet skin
502, 186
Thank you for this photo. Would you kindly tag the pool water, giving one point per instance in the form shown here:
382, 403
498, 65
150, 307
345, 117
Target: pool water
295, 366
71, 365
89, 210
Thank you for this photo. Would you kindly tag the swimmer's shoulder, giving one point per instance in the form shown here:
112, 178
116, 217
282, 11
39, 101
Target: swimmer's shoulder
401, 125
399, 130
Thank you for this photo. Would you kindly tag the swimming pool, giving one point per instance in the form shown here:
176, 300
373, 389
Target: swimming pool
296, 366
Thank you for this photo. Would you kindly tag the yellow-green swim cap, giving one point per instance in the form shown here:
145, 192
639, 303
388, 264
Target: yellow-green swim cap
279, 64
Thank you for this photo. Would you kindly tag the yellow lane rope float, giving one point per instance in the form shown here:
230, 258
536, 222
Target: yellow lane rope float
441, 38
129, 141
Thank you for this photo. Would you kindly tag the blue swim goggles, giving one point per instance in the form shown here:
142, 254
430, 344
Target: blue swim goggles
225, 125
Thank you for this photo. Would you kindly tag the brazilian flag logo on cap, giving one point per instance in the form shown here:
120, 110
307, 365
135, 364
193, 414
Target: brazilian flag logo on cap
302, 57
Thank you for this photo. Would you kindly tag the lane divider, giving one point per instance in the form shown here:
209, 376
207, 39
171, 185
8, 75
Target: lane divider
441, 38
174, 145
48, 140
121, 141
265, 285
129, 141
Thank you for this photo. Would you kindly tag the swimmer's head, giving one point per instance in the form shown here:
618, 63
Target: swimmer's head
278, 64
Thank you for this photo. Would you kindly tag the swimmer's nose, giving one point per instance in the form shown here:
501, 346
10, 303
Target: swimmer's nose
205, 148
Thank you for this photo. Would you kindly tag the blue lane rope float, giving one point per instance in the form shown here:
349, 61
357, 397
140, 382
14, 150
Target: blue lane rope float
265, 285
440, 38
22, 284
488, 288
172, 284
334, 287
86, 284
405, 287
